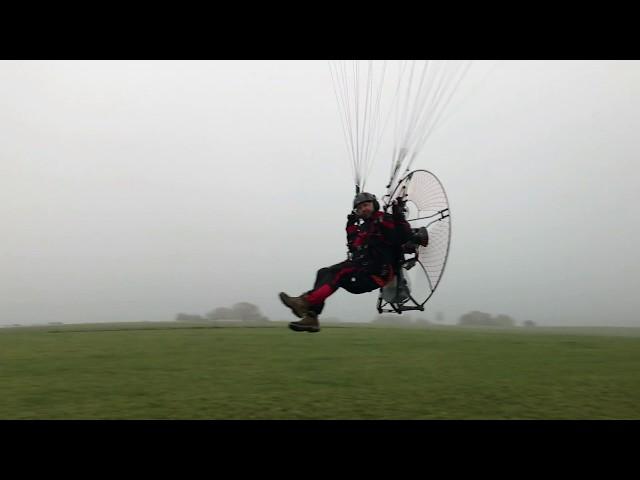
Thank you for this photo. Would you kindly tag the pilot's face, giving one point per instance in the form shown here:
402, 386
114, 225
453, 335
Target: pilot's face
365, 209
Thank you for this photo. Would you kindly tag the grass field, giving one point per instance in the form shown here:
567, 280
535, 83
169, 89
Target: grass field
173, 371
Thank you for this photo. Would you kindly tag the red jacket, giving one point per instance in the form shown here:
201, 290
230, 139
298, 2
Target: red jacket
376, 243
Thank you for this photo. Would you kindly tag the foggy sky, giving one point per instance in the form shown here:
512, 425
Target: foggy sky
134, 190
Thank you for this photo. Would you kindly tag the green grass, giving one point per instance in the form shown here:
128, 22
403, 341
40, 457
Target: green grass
173, 371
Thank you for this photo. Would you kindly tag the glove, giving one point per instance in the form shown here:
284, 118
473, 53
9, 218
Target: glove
352, 218
397, 207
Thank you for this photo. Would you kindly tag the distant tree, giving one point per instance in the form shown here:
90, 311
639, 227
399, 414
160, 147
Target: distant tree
477, 318
248, 312
504, 321
185, 317
221, 313
243, 311
439, 317
529, 323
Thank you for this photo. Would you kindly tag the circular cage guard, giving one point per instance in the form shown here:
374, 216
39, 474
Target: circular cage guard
421, 271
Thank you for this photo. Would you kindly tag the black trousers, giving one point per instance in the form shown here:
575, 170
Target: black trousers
348, 275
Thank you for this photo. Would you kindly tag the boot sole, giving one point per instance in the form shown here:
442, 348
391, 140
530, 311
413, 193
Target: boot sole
298, 328
299, 315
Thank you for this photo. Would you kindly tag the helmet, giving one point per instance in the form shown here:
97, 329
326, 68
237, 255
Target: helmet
366, 197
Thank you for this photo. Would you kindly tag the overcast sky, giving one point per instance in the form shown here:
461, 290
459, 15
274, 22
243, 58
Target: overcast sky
135, 190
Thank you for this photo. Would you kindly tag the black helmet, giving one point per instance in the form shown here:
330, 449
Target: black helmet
366, 197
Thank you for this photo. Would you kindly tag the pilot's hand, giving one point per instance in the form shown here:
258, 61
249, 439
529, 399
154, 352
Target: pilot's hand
352, 217
397, 207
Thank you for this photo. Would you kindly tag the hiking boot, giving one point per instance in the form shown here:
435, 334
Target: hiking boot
298, 305
308, 324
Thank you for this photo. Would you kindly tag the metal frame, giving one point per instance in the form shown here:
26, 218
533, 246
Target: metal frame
399, 307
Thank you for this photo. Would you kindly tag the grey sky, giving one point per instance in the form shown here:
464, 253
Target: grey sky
136, 190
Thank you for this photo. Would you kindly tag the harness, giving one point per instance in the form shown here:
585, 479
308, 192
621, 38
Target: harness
372, 252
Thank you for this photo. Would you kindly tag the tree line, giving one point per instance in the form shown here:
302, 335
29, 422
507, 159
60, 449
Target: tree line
474, 318
242, 311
